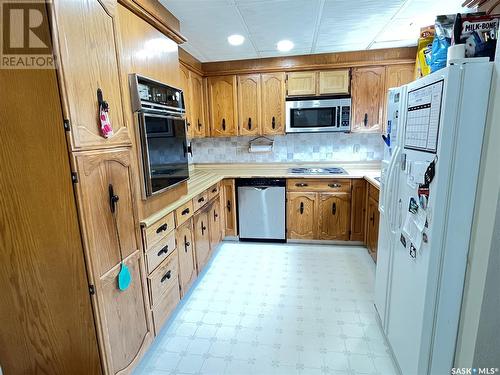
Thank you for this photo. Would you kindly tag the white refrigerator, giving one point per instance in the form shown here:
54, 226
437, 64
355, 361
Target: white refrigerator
427, 206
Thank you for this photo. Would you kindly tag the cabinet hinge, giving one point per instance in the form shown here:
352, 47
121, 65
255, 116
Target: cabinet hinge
91, 289
66, 125
74, 177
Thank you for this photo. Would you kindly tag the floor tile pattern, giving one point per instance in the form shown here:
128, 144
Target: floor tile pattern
276, 309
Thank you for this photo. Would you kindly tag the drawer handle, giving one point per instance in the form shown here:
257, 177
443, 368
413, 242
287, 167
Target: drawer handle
163, 251
273, 123
214, 190
202, 199
249, 123
301, 185
334, 186
334, 208
301, 208
185, 211
216, 215
199, 124
188, 124
168, 275
162, 228
224, 124
228, 206
365, 120
203, 228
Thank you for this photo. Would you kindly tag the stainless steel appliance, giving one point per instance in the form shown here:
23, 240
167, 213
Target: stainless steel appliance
318, 115
161, 132
261, 209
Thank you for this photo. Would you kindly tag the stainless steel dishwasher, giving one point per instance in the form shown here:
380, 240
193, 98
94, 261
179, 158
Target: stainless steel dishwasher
261, 209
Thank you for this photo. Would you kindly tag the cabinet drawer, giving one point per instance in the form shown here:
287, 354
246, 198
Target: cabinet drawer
167, 304
158, 252
159, 230
213, 191
184, 212
321, 185
200, 200
373, 192
163, 278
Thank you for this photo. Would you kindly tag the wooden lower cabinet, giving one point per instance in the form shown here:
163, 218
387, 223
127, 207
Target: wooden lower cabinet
202, 239
334, 216
372, 227
187, 261
214, 218
358, 210
229, 205
302, 213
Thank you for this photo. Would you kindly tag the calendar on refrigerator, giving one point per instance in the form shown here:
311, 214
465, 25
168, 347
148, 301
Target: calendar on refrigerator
423, 116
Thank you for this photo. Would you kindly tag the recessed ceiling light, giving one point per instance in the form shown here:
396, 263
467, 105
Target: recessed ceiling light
284, 45
235, 39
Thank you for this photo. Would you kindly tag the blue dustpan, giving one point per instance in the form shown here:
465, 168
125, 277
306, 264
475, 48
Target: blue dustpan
124, 278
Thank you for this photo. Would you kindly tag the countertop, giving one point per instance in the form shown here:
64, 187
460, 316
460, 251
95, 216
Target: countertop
202, 176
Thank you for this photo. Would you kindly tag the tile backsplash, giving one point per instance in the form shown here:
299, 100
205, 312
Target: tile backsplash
305, 147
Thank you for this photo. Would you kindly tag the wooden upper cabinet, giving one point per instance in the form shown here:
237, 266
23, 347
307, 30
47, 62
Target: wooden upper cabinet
229, 204
249, 108
273, 103
302, 215
222, 102
124, 322
185, 249
186, 91
88, 53
358, 210
301, 83
197, 110
334, 216
333, 82
397, 75
368, 98
201, 239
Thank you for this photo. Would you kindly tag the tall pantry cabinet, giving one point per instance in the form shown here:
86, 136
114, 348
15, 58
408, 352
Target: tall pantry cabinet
88, 49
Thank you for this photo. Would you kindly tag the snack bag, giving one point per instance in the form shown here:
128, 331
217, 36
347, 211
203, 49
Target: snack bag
480, 34
441, 42
424, 50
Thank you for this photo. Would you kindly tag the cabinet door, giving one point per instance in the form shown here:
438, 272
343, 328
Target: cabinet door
302, 215
229, 204
301, 83
368, 93
201, 239
123, 318
222, 102
215, 223
334, 82
81, 40
197, 105
273, 103
186, 90
249, 104
372, 227
185, 249
395, 76
358, 210
334, 216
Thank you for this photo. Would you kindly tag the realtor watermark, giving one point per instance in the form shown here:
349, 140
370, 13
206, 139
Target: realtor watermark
25, 42
474, 371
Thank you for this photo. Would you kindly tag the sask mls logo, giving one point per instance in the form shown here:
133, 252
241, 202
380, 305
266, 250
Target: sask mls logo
25, 36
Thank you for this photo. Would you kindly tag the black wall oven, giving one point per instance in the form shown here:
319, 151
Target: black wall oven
162, 134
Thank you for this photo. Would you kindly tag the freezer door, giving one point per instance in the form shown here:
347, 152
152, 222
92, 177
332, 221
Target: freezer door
261, 212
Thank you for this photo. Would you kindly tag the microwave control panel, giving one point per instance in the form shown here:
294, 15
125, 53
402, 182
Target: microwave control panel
346, 116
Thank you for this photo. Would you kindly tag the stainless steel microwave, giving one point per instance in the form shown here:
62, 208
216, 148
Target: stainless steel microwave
318, 115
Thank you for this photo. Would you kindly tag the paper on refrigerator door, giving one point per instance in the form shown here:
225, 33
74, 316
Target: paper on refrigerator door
412, 231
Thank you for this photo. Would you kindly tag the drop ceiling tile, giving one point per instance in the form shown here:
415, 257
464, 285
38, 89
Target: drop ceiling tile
394, 44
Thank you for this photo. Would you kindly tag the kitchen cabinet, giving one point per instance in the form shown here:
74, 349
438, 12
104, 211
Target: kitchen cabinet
368, 98
186, 91
79, 40
202, 239
358, 210
302, 214
372, 221
124, 323
301, 83
334, 216
249, 105
395, 76
333, 82
273, 103
222, 98
187, 261
197, 105
229, 205
214, 218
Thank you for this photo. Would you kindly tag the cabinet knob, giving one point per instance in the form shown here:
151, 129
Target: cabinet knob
162, 228
163, 251
249, 123
301, 208
273, 123
166, 276
228, 206
202, 199
301, 185
224, 124
216, 215
365, 120
185, 212
372, 219
199, 124
203, 228
334, 208
335, 186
